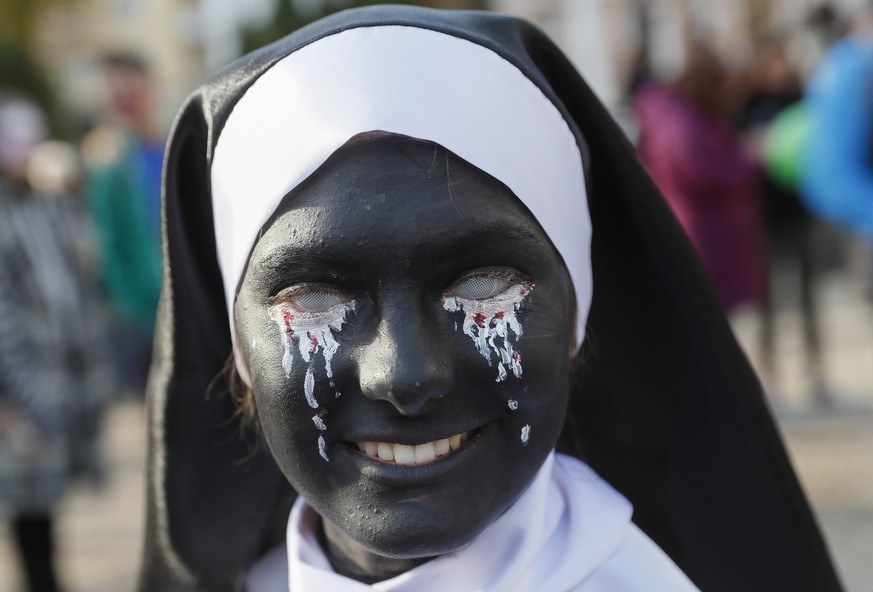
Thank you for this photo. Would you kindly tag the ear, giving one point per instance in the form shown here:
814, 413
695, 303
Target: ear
210, 501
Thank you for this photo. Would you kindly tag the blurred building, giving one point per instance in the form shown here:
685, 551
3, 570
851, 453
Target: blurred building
605, 37
183, 41
187, 40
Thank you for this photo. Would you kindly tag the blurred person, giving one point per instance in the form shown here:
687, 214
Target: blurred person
124, 157
773, 85
53, 382
837, 179
826, 23
54, 168
696, 158
771, 114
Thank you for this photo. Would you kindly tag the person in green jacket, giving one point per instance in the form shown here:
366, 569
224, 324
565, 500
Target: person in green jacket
123, 196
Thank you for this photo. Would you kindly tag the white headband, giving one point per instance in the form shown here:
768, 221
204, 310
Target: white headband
403, 80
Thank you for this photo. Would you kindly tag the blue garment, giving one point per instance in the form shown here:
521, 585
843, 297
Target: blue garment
151, 160
837, 174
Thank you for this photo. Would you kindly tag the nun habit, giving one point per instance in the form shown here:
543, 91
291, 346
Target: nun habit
665, 408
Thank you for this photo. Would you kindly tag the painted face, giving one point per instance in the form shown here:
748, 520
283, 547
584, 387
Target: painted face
406, 325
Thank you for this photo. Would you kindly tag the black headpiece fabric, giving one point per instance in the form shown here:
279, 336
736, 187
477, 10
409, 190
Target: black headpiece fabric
665, 407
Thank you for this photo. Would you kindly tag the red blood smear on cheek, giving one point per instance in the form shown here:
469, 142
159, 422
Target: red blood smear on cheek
499, 315
516, 357
287, 317
313, 343
480, 319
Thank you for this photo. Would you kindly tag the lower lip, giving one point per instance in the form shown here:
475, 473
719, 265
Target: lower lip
394, 474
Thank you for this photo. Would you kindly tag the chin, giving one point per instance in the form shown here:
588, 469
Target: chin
415, 534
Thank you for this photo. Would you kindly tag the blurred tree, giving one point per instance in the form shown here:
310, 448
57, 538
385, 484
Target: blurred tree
18, 19
289, 17
20, 74
19, 70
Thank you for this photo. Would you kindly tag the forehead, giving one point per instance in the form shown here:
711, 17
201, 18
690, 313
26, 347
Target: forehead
398, 194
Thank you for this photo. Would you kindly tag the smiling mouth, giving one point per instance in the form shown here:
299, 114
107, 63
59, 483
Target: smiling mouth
420, 454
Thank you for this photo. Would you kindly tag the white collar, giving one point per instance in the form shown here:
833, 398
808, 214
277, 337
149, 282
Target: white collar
566, 525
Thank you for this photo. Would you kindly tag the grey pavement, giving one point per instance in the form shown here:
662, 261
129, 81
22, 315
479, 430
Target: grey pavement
832, 450
99, 531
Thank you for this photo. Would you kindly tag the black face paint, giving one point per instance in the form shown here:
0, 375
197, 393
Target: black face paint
423, 287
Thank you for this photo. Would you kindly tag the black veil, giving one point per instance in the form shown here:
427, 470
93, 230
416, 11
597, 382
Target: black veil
665, 406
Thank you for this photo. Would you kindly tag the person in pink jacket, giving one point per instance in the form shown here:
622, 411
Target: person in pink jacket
697, 160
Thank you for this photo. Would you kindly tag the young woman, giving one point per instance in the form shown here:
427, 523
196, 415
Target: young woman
435, 260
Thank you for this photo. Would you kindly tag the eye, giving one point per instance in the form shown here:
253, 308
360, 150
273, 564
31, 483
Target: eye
479, 286
312, 299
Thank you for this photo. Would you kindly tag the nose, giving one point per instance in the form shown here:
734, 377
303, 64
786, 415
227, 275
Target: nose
405, 364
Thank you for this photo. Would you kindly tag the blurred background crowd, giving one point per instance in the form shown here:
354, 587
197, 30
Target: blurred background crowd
754, 117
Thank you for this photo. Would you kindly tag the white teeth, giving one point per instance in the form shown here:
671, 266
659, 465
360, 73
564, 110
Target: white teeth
440, 447
385, 451
424, 453
403, 454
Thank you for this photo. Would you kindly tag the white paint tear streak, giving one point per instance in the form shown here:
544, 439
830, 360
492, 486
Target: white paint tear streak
512, 404
322, 448
525, 435
490, 324
314, 333
309, 387
288, 358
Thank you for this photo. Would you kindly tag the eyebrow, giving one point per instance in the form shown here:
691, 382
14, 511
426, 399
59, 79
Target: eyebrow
488, 236
284, 257
303, 259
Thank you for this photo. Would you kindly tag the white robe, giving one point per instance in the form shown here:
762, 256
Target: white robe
569, 532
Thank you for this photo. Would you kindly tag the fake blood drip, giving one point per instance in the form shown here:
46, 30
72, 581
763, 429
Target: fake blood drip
314, 333
491, 323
